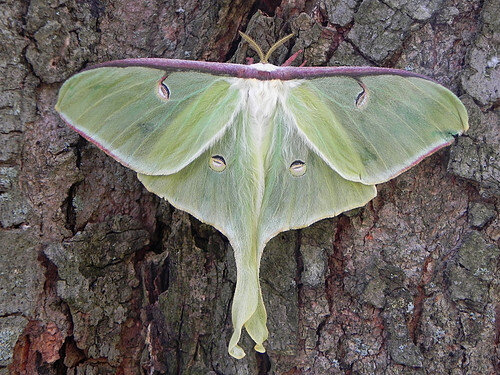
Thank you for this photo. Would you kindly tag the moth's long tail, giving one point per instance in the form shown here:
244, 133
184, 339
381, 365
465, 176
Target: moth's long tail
248, 307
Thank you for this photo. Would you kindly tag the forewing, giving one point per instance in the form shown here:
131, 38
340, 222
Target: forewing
371, 128
151, 124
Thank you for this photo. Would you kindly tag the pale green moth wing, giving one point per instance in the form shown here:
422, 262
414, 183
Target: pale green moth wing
300, 187
275, 149
371, 128
255, 197
151, 125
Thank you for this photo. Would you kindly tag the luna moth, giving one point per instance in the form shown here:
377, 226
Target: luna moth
258, 149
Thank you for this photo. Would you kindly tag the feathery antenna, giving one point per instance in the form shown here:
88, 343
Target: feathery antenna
264, 58
276, 45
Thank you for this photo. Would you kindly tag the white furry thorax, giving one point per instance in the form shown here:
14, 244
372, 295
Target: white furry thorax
259, 99
265, 67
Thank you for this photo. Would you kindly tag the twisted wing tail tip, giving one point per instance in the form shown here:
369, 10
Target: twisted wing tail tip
238, 353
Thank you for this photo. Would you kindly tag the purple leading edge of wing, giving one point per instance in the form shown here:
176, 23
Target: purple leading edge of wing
247, 71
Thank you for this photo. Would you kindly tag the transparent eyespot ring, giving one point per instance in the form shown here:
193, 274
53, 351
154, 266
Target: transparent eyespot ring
163, 90
362, 97
298, 168
217, 163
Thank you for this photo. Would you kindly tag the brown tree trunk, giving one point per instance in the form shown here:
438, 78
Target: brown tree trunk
98, 276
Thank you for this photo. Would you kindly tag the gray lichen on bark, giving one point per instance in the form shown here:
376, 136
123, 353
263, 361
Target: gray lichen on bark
99, 276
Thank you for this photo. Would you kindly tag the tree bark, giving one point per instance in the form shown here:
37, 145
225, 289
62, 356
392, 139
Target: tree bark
98, 276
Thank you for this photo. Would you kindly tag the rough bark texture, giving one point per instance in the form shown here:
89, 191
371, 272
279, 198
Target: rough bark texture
98, 276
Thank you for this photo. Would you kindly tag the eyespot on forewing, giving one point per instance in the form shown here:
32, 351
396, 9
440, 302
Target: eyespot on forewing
163, 90
362, 97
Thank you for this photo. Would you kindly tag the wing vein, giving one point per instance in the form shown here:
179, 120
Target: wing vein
362, 134
105, 97
438, 102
